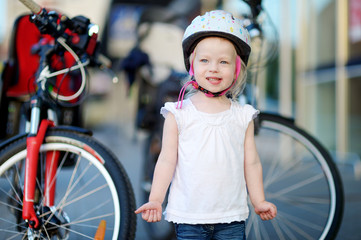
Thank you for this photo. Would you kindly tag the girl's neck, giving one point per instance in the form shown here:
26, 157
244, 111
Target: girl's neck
210, 104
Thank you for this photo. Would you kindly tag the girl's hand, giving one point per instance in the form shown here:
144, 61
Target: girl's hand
151, 211
266, 210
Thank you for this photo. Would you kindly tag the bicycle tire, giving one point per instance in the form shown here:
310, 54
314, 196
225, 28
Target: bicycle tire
162, 230
102, 191
301, 179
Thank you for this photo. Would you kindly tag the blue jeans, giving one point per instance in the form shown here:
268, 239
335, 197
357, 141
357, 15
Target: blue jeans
223, 231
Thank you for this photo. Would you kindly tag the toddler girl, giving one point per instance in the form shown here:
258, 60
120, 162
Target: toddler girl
208, 150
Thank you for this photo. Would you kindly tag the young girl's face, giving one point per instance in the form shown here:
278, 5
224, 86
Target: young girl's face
214, 63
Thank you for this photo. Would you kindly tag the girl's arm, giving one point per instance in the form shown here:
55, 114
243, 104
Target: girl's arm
163, 173
254, 178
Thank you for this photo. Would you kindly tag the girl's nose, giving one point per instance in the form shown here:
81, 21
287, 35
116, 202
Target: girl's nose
213, 67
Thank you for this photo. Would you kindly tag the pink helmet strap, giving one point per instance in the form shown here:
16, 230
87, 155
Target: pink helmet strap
183, 90
191, 70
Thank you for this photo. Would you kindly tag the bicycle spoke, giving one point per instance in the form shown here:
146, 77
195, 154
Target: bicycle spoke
53, 181
278, 230
13, 225
278, 172
286, 230
70, 186
41, 193
262, 231
67, 192
94, 226
303, 222
64, 204
62, 162
16, 233
299, 185
46, 232
291, 227
92, 210
11, 206
302, 200
88, 183
64, 226
67, 229
77, 233
89, 219
83, 196
19, 199
251, 222
277, 169
255, 226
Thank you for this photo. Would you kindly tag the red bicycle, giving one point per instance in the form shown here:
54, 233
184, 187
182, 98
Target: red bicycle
58, 182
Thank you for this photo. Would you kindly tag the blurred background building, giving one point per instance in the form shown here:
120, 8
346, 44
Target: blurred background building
328, 73
315, 78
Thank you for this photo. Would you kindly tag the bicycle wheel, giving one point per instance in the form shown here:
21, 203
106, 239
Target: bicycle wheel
91, 185
162, 230
301, 179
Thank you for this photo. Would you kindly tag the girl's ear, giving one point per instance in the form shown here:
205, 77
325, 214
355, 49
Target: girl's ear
191, 60
238, 66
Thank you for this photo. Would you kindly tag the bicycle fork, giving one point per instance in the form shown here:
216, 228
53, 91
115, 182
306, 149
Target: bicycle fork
34, 142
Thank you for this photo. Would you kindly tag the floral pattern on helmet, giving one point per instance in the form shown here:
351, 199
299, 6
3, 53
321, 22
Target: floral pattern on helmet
218, 21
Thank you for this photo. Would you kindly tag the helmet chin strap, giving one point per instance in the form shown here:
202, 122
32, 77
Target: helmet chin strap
208, 93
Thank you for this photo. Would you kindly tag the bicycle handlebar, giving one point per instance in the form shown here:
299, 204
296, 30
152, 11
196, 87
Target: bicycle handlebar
33, 6
79, 33
77, 36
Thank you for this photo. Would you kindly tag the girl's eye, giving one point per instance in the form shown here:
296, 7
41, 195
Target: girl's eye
204, 60
224, 62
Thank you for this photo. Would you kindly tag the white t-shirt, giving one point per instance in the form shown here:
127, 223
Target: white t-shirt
208, 184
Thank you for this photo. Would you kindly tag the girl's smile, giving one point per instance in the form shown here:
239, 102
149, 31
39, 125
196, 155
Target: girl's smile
214, 80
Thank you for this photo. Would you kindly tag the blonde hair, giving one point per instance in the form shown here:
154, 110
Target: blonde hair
239, 85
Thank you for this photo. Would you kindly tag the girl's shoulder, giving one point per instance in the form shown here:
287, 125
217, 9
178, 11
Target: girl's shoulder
173, 107
246, 112
244, 107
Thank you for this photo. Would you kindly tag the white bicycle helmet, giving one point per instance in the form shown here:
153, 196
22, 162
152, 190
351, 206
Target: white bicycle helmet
217, 23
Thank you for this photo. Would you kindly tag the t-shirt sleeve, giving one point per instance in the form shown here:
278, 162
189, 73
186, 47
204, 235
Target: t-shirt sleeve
249, 113
170, 107
167, 108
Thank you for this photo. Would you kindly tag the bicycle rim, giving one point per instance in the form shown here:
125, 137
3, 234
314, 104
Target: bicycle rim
86, 192
302, 181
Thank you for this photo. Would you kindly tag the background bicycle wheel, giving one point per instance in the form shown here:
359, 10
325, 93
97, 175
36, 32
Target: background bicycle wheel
301, 178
